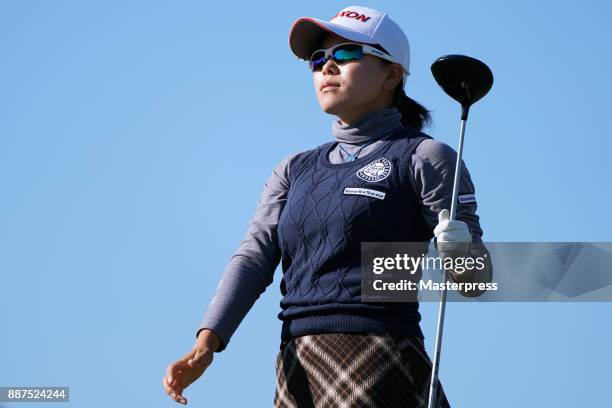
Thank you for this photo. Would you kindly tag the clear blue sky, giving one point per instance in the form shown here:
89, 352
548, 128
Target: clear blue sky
135, 140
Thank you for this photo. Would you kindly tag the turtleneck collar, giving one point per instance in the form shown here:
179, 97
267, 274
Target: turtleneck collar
372, 125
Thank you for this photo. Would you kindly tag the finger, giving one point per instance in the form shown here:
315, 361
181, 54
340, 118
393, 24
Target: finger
169, 383
170, 371
443, 215
198, 359
179, 396
166, 384
187, 356
176, 379
174, 388
172, 391
442, 223
175, 368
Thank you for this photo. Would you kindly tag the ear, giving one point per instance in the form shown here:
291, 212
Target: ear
395, 74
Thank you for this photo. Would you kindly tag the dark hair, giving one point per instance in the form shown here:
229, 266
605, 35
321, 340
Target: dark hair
413, 113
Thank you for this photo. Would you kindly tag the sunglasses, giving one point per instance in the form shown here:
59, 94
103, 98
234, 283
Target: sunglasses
344, 52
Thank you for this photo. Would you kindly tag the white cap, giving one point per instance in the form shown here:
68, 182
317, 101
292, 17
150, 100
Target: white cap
355, 23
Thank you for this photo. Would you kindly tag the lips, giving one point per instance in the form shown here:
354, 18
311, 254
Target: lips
328, 84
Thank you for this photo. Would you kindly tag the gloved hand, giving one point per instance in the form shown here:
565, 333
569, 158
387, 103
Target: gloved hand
453, 237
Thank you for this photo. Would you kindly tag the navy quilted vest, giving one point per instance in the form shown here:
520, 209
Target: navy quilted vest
330, 210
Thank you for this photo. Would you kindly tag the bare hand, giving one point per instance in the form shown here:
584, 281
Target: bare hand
186, 370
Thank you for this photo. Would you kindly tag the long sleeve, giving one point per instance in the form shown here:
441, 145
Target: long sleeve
433, 164
251, 269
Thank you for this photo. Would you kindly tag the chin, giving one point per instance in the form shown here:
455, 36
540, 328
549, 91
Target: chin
330, 106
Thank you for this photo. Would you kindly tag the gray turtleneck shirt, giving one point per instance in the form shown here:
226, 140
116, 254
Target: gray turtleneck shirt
251, 269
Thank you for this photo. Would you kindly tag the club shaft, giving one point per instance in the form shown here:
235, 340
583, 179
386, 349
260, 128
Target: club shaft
433, 385
457, 179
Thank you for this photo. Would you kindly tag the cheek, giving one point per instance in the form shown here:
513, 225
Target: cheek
358, 79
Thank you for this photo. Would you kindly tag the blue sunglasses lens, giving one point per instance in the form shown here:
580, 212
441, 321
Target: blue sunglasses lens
317, 61
348, 53
343, 53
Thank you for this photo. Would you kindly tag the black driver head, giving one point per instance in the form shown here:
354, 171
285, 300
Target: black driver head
464, 78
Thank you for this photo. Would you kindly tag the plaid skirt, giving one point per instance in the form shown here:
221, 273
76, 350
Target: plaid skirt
348, 370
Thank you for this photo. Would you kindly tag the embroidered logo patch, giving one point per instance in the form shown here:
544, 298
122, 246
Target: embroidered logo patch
375, 171
365, 192
467, 198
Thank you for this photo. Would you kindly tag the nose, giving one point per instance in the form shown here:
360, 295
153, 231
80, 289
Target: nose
330, 67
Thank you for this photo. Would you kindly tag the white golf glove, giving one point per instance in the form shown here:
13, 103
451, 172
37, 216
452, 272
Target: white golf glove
453, 237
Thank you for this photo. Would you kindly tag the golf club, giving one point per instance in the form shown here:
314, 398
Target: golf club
466, 80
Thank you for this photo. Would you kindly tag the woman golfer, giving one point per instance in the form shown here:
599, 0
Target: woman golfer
380, 180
